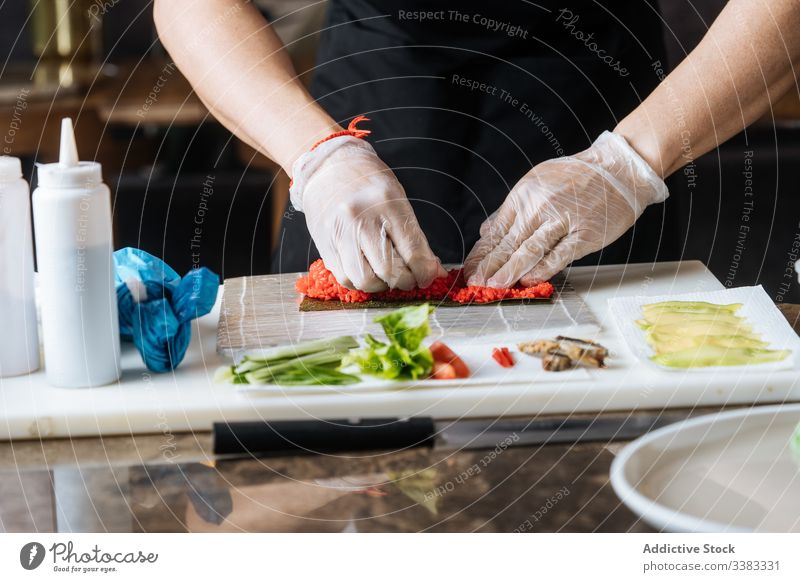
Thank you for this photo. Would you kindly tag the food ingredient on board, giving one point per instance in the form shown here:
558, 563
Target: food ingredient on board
443, 371
557, 362
696, 334
503, 357
403, 356
442, 354
321, 362
564, 353
320, 283
306, 375
302, 364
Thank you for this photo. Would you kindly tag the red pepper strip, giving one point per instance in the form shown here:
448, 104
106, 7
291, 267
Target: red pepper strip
498, 357
503, 357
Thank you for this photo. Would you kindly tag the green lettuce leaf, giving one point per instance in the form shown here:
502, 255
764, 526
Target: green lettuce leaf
404, 356
407, 326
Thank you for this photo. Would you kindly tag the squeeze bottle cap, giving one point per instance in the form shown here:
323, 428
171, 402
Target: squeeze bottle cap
10, 168
69, 172
68, 154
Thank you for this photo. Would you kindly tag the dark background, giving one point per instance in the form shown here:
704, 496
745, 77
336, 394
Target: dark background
155, 203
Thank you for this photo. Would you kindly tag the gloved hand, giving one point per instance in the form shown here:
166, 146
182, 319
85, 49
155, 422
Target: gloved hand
360, 219
562, 210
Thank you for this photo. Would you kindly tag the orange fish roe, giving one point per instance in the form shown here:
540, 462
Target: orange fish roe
321, 284
474, 294
439, 289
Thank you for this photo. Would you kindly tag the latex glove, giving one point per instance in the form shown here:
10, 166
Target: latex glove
562, 210
360, 219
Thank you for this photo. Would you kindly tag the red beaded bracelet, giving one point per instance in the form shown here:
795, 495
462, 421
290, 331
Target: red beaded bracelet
351, 130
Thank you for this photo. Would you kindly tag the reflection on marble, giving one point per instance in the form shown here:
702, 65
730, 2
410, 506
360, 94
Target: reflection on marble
549, 488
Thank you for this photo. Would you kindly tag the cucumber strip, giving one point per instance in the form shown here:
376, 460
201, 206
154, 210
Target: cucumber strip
303, 363
285, 356
344, 342
315, 376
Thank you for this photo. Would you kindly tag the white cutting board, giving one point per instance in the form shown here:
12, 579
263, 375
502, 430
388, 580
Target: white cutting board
188, 399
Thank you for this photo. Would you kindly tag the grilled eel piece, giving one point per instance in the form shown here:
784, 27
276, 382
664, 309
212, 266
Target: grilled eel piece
564, 353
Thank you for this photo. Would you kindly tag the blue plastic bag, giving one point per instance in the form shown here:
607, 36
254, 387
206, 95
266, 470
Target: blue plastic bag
156, 306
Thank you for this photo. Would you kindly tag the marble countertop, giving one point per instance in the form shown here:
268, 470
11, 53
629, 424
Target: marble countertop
547, 488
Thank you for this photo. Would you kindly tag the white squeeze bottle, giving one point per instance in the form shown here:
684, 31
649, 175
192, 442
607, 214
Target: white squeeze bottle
19, 335
72, 223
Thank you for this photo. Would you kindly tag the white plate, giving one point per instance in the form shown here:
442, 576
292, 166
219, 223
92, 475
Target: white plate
757, 308
484, 371
732, 471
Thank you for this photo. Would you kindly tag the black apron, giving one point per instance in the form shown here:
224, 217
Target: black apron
466, 97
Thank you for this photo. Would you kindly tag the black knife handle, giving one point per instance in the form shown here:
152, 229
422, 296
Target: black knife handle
293, 437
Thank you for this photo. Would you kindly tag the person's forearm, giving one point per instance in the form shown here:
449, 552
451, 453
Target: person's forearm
744, 63
239, 68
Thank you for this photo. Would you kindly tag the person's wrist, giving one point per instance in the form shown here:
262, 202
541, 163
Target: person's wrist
327, 151
635, 179
650, 146
650, 187
302, 135
297, 133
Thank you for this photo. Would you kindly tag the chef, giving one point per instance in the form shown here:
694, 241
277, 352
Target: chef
514, 136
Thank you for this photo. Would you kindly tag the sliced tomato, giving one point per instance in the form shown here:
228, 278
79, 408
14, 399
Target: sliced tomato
442, 353
509, 357
443, 371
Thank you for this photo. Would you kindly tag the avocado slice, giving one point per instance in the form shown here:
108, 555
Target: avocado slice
695, 334
666, 343
689, 307
706, 355
702, 328
668, 317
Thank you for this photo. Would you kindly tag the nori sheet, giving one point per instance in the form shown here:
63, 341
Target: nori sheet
309, 304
